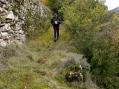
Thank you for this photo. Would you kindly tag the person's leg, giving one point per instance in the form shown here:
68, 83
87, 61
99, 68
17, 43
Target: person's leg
55, 33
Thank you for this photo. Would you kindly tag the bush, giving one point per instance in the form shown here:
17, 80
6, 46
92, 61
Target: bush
94, 32
105, 62
35, 24
55, 5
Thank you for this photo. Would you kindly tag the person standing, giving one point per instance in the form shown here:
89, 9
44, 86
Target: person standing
55, 21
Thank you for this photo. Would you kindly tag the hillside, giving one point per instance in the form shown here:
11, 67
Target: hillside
115, 10
41, 64
58, 44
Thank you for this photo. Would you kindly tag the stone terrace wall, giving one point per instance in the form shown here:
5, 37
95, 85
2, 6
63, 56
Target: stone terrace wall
12, 18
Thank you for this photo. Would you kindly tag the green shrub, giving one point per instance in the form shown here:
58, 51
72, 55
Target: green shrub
55, 5
35, 24
92, 29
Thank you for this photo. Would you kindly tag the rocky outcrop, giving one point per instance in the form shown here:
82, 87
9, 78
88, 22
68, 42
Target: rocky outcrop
12, 18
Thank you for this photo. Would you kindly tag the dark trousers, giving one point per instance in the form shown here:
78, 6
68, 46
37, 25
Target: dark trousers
56, 32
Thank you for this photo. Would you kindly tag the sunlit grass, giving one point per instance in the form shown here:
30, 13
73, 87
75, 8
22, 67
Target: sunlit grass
31, 67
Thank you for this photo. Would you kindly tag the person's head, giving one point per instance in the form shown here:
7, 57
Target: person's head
55, 16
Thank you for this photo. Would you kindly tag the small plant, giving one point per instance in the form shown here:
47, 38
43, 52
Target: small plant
74, 72
74, 75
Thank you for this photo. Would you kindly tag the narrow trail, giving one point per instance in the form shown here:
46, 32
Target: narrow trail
38, 64
56, 55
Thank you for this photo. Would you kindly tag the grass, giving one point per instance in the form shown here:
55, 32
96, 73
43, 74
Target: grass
35, 65
29, 66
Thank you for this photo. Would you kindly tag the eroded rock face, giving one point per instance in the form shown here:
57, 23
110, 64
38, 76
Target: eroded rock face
12, 18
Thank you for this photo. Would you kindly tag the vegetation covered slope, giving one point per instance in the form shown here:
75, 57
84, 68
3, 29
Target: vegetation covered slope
88, 29
40, 64
95, 31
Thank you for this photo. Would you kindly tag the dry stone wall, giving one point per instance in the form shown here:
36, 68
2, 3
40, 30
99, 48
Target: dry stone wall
12, 19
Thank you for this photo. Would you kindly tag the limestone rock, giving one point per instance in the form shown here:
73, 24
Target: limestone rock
13, 18
3, 1
3, 43
10, 16
4, 34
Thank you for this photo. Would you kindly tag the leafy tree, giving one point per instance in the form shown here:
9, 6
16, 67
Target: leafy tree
55, 5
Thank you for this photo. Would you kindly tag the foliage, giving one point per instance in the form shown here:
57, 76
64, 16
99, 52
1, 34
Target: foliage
55, 5
17, 5
35, 24
105, 62
94, 32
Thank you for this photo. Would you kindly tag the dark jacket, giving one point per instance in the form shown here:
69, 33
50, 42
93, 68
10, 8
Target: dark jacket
55, 21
